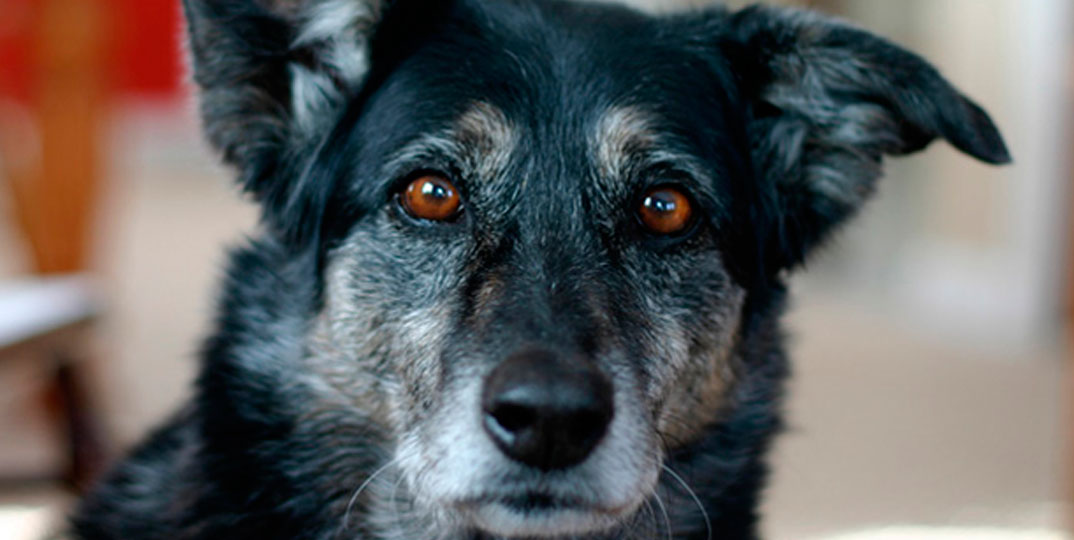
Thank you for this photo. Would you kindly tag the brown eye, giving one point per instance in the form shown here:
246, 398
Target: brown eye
432, 198
666, 210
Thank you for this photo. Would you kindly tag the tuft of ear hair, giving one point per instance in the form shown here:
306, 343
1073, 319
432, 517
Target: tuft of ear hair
828, 102
270, 71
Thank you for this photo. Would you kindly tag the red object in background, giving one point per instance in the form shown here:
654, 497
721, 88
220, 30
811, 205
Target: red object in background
144, 54
147, 49
15, 38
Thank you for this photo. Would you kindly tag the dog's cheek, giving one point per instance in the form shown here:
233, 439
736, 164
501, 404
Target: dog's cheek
386, 312
693, 322
348, 343
417, 349
696, 399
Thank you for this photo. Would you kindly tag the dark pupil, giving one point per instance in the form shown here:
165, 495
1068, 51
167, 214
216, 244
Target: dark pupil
661, 202
434, 192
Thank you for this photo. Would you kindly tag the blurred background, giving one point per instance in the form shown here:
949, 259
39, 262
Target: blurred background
933, 386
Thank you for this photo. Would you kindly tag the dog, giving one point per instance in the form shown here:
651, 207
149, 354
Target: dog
520, 266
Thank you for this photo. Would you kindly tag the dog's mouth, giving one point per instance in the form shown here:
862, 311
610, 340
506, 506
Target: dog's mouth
538, 514
536, 502
475, 483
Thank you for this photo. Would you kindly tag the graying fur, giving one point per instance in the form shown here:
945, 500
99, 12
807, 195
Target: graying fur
376, 353
341, 394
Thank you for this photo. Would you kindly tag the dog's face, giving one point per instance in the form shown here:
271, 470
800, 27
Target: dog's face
539, 273
539, 277
538, 225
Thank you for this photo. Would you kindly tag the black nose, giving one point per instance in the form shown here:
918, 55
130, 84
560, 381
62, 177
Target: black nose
545, 410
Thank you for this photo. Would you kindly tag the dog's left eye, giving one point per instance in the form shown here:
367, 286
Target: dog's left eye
666, 210
431, 197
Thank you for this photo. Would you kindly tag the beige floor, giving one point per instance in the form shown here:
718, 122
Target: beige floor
889, 426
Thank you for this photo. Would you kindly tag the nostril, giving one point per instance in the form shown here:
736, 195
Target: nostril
586, 425
514, 418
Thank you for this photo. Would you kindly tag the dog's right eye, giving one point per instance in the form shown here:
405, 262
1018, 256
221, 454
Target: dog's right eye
431, 197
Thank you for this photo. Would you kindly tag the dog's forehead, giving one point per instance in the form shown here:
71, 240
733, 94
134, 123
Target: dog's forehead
619, 133
486, 139
549, 94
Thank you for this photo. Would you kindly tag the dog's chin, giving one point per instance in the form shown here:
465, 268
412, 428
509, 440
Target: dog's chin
539, 516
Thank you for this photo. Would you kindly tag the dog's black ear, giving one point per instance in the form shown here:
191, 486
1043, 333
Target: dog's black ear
271, 72
828, 101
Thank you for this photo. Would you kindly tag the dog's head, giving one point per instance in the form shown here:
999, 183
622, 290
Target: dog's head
540, 226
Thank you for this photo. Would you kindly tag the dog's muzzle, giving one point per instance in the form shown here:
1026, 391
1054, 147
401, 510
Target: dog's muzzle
547, 410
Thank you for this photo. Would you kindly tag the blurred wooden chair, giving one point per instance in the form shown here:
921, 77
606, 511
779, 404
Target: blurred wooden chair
51, 168
48, 321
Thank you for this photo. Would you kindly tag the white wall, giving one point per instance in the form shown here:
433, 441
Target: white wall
978, 251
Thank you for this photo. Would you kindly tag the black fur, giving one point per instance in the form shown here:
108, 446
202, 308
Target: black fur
786, 115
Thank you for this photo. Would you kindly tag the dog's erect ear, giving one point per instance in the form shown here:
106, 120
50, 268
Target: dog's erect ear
270, 71
828, 101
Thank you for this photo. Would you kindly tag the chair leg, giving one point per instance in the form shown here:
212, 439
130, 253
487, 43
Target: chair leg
81, 427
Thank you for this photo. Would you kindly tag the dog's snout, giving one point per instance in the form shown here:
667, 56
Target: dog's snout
545, 410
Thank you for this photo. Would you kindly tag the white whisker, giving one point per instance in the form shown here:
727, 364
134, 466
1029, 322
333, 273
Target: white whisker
697, 500
358, 492
664, 511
